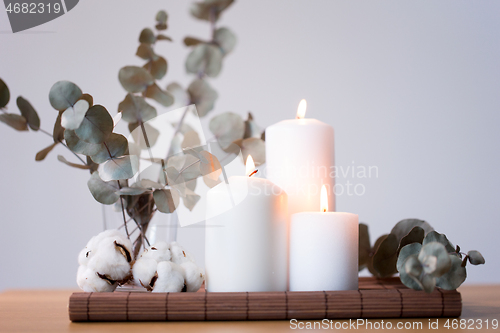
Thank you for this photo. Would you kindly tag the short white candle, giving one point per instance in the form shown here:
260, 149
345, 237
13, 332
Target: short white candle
300, 158
323, 250
246, 238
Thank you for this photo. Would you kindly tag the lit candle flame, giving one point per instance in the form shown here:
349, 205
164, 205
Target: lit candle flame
324, 199
250, 166
301, 110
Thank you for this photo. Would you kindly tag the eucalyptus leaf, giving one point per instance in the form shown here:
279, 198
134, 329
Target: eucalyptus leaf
28, 112
162, 16
145, 51
212, 169
403, 227
475, 258
191, 139
73, 116
103, 192
147, 36
181, 98
88, 98
364, 249
410, 281
139, 136
416, 235
435, 249
192, 41
131, 191
406, 251
452, 279
40, 156
166, 200
157, 67
205, 59
79, 146
255, 147
190, 199
209, 10
58, 132
135, 109
225, 39
412, 266
135, 79
74, 165
203, 96
97, 125
163, 37
124, 167
385, 257
192, 168
227, 127
15, 121
161, 96
434, 236
64, 94
4, 94
428, 283
252, 130
114, 146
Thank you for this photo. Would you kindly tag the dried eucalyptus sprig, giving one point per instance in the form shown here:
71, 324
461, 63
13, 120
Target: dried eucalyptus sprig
423, 257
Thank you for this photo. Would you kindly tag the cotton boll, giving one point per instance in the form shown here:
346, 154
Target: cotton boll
144, 270
179, 255
170, 278
159, 252
193, 276
89, 281
109, 259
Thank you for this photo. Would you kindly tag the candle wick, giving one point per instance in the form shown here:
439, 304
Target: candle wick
253, 173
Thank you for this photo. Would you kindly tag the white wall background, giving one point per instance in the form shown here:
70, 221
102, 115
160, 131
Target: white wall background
411, 87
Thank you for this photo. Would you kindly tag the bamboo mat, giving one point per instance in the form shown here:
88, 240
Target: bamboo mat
376, 298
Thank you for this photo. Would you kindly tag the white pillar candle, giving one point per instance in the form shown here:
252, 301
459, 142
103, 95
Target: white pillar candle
323, 251
300, 159
246, 238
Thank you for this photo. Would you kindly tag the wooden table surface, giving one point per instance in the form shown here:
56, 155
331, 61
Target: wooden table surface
47, 311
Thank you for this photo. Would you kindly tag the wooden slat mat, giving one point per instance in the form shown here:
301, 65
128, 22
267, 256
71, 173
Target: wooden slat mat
376, 298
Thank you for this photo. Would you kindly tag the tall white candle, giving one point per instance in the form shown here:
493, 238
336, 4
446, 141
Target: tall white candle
300, 159
323, 250
246, 238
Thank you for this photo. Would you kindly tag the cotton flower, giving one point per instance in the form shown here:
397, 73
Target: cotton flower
167, 268
104, 262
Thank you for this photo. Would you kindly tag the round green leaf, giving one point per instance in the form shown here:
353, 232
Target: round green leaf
124, 167
209, 10
227, 127
157, 67
406, 251
166, 200
442, 264
428, 283
225, 39
73, 117
135, 79
64, 94
161, 16
145, 51
475, 258
410, 281
4, 94
103, 192
114, 146
403, 227
161, 96
385, 257
147, 36
413, 266
206, 59
79, 146
203, 96
135, 109
416, 235
434, 236
96, 126
452, 279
